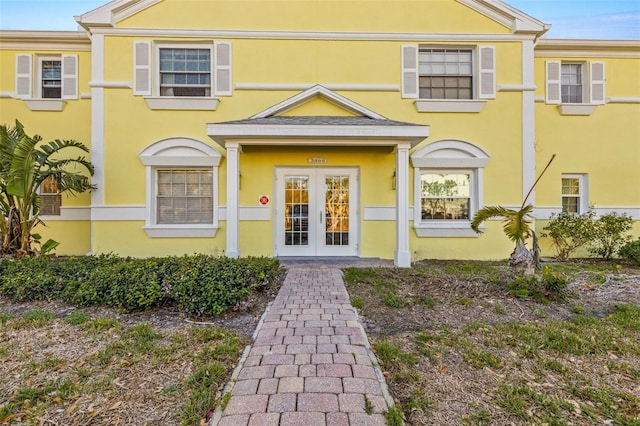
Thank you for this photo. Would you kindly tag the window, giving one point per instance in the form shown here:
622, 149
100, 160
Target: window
185, 72
575, 85
574, 198
182, 181
448, 188
448, 78
185, 196
45, 81
51, 78
445, 74
50, 197
571, 83
445, 196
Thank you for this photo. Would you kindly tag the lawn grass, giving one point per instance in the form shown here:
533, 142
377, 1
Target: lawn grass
84, 370
478, 355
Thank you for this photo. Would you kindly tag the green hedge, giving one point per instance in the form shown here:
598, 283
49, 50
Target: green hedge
200, 284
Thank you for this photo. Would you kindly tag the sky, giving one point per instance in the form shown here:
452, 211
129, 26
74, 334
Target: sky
599, 19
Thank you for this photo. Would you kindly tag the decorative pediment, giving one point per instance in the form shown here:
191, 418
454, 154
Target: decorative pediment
312, 94
113, 12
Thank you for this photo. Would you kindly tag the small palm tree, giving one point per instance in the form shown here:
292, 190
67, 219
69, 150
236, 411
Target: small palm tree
24, 165
517, 227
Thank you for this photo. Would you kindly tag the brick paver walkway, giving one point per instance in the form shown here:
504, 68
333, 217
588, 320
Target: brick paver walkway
309, 363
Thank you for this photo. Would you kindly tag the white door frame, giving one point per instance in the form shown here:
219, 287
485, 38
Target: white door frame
316, 214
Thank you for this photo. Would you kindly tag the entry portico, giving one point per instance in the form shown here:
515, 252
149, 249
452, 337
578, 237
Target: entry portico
361, 128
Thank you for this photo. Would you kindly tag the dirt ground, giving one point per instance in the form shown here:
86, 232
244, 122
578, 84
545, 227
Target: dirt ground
457, 312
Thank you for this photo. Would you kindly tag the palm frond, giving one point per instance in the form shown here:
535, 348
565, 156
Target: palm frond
485, 214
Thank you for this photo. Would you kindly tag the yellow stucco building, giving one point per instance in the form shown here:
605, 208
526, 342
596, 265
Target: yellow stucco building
324, 128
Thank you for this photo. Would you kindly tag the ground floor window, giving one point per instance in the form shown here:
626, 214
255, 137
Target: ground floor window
185, 196
574, 194
448, 188
445, 195
50, 197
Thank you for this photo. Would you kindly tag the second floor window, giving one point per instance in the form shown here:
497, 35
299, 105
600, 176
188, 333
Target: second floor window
571, 83
185, 72
445, 73
51, 79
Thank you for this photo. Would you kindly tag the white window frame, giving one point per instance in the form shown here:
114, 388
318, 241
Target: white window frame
178, 154
39, 80
156, 70
584, 82
475, 75
473, 208
57, 195
583, 201
448, 156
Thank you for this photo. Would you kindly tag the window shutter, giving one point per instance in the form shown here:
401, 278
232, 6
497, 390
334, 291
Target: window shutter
142, 68
597, 83
23, 76
69, 76
554, 94
487, 72
409, 71
222, 77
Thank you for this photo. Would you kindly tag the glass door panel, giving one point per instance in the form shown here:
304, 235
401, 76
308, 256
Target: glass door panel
296, 211
336, 210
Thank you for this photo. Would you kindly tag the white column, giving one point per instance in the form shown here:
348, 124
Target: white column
233, 209
528, 122
402, 257
97, 129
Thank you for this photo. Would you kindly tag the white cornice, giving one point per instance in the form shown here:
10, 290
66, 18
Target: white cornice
509, 17
112, 13
317, 135
310, 35
567, 48
44, 40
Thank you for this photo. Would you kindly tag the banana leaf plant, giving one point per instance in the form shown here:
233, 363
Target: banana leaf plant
25, 163
516, 225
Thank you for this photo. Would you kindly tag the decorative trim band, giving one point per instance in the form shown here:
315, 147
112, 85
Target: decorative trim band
85, 95
111, 84
440, 105
6, 95
516, 88
310, 35
69, 214
185, 103
617, 100
544, 213
344, 87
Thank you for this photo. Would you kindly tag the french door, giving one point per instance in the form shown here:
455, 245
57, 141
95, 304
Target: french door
316, 212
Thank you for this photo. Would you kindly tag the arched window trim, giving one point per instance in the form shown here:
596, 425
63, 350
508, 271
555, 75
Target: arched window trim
441, 157
178, 154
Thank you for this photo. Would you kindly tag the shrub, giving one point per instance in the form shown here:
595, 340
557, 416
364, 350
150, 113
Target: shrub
631, 251
569, 232
202, 285
609, 234
209, 286
549, 285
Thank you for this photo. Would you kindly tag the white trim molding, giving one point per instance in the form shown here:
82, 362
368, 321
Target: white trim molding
544, 213
445, 105
45, 104
577, 109
621, 100
71, 213
117, 213
111, 84
248, 213
181, 103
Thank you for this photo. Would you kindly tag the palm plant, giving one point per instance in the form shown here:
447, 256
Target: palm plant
24, 165
517, 227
